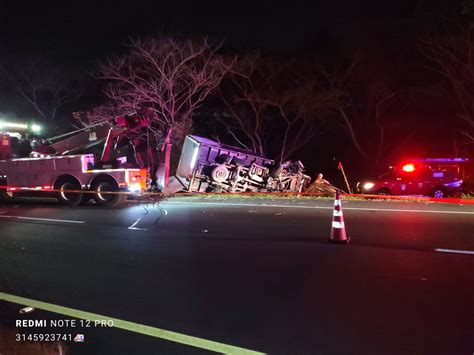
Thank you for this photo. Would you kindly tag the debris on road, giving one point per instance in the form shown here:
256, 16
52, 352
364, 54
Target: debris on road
26, 310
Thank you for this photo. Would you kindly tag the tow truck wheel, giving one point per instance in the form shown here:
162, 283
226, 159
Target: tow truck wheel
71, 199
108, 200
439, 192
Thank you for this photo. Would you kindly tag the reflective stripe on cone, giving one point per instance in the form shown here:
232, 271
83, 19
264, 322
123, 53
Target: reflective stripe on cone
338, 228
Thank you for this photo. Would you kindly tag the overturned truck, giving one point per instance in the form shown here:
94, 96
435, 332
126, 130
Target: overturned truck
208, 166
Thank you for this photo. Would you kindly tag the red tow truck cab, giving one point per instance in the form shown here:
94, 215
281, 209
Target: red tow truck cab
436, 177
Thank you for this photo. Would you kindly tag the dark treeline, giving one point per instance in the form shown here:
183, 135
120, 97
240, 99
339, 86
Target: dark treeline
366, 91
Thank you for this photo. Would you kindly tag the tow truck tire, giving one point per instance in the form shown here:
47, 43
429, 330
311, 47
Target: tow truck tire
108, 200
70, 199
439, 192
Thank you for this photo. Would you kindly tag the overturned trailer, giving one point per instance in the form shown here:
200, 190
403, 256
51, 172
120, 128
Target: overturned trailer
208, 166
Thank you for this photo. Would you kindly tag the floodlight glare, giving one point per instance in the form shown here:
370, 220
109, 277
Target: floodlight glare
35, 128
13, 125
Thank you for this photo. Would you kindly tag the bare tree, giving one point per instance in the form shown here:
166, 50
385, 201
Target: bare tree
171, 77
240, 98
105, 112
41, 86
362, 101
452, 57
270, 106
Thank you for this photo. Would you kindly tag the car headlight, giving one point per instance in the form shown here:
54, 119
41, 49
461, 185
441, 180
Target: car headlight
368, 185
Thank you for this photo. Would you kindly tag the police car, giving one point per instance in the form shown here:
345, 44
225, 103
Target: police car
436, 177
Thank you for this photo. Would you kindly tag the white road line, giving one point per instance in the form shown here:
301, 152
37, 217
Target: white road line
43, 219
132, 227
455, 251
411, 211
318, 207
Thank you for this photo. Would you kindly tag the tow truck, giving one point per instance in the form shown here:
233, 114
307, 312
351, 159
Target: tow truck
436, 177
101, 161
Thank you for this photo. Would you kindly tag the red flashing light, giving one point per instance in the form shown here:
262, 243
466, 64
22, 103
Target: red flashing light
409, 168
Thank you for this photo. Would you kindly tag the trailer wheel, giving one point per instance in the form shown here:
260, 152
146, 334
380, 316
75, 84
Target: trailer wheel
108, 200
71, 199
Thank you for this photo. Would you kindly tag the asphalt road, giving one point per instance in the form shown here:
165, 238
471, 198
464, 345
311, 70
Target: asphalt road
257, 274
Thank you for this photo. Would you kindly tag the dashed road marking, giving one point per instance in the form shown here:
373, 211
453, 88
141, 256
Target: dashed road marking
318, 207
130, 326
455, 251
42, 219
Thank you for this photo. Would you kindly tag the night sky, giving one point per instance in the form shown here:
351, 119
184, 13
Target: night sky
81, 33
76, 36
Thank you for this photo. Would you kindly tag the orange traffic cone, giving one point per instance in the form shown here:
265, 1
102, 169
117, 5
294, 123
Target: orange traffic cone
338, 229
